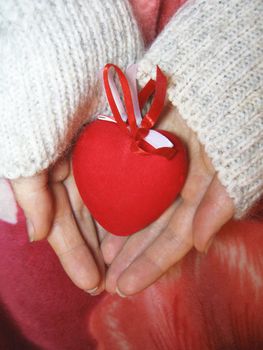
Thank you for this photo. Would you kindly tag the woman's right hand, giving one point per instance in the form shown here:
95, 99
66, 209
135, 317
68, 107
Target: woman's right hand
54, 209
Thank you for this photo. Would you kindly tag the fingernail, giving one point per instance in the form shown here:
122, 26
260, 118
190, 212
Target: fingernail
30, 230
120, 293
93, 290
95, 294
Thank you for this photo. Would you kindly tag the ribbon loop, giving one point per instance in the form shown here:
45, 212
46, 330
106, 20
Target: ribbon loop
130, 119
108, 83
158, 100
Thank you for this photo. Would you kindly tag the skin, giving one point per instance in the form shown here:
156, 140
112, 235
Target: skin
64, 220
137, 261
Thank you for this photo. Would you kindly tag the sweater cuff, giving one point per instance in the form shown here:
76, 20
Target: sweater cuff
51, 53
212, 52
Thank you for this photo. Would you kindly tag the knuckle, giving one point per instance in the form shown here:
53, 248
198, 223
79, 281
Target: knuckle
156, 263
70, 250
177, 240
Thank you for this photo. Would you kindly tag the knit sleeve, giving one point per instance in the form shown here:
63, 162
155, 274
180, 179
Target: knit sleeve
50, 56
212, 52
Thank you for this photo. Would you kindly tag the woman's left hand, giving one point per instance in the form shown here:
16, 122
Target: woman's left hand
202, 209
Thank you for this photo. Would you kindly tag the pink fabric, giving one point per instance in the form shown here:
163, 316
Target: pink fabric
205, 302
152, 15
211, 301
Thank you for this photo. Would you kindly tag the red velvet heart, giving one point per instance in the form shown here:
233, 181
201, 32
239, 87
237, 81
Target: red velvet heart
125, 191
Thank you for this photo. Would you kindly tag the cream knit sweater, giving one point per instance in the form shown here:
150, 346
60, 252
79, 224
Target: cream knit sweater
212, 51
51, 54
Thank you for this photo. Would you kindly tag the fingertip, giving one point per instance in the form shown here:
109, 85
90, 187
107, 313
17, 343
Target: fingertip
42, 217
111, 246
84, 276
120, 293
116, 277
131, 283
106, 253
136, 277
97, 290
35, 199
126, 288
60, 171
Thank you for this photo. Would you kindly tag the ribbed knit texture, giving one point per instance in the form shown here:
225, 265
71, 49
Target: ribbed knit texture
50, 55
212, 50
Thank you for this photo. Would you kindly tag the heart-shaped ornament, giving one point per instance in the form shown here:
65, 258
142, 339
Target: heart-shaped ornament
127, 174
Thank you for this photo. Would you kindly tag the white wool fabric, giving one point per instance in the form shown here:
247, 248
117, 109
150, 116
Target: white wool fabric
51, 52
50, 56
212, 50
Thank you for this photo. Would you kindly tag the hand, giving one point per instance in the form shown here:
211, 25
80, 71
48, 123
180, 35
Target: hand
54, 209
192, 221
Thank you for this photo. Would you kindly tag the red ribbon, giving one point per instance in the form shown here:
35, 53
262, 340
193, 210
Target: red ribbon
158, 88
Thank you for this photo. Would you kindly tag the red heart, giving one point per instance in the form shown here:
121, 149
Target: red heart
125, 191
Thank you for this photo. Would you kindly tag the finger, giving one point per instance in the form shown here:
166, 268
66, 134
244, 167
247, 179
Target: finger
174, 243
81, 213
60, 171
35, 198
101, 232
88, 231
86, 226
69, 245
215, 209
135, 246
160, 256
111, 246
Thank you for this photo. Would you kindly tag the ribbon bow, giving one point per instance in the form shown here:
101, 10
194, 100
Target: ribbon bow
145, 140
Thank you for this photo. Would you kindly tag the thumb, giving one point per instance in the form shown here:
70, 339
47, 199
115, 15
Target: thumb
34, 197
